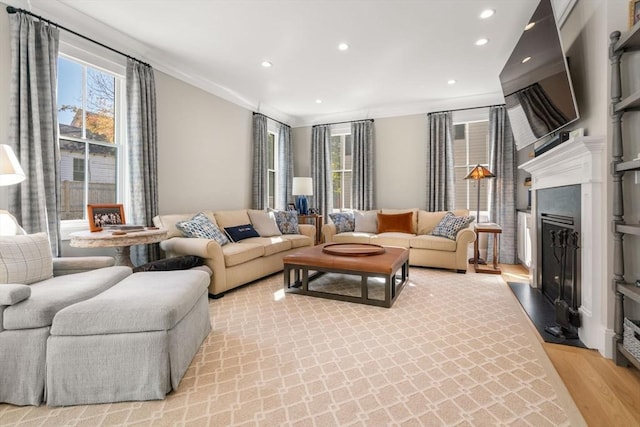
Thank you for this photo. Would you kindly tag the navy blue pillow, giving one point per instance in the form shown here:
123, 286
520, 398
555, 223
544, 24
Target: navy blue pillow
240, 232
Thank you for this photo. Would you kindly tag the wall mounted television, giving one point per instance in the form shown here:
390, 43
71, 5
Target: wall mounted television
536, 83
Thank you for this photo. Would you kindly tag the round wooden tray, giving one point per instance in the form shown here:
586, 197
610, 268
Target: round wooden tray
353, 249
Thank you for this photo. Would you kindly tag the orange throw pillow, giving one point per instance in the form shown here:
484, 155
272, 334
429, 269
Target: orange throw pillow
398, 223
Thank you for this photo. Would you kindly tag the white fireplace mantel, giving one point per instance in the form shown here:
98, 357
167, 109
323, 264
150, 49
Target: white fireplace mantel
580, 161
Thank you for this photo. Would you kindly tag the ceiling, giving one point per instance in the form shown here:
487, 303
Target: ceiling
401, 53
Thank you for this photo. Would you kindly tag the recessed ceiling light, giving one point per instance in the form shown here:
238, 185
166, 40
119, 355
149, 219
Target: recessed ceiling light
343, 46
318, 101
482, 42
487, 13
451, 82
266, 64
526, 59
529, 26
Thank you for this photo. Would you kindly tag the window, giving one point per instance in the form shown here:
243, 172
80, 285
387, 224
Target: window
341, 169
90, 140
272, 169
470, 147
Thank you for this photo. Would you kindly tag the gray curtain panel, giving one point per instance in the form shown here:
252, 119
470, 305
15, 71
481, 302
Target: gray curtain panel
440, 173
542, 114
142, 153
502, 189
285, 167
33, 122
321, 170
362, 183
260, 153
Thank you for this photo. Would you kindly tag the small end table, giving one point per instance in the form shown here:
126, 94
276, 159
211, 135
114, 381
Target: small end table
491, 228
313, 219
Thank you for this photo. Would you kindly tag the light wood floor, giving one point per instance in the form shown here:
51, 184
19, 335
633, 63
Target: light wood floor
606, 394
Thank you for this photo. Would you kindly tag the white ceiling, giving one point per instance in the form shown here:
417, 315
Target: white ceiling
402, 52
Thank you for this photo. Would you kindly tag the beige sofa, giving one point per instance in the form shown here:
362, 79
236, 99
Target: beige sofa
425, 250
233, 264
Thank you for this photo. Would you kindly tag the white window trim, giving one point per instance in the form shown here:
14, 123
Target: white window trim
101, 59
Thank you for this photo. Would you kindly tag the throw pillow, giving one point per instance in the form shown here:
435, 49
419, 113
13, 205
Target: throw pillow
344, 221
25, 259
395, 223
366, 222
241, 232
450, 224
201, 227
287, 222
177, 263
264, 223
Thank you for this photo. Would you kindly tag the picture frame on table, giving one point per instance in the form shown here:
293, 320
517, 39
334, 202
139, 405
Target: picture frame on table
102, 215
634, 12
291, 207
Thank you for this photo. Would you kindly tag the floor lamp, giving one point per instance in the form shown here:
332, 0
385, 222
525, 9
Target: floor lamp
478, 173
10, 173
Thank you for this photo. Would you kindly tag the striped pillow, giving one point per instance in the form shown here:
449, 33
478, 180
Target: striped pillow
25, 259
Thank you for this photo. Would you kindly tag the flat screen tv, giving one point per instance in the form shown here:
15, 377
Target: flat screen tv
535, 81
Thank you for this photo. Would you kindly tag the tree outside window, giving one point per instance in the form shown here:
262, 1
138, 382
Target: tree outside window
341, 170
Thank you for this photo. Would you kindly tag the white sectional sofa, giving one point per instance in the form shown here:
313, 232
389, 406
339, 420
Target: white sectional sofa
425, 250
236, 263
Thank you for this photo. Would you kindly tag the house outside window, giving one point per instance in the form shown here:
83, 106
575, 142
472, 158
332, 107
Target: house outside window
272, 169
471, 147
341, 170
91, 136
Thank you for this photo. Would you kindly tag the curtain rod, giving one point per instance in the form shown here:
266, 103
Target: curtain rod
271, 118
12, 10
341, 123
463, 109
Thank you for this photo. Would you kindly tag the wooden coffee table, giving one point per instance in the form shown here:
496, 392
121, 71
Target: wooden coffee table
313, 259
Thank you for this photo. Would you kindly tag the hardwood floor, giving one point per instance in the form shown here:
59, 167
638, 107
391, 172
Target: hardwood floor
606, 394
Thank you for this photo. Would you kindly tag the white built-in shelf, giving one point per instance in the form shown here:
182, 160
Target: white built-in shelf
632, 165
628, 229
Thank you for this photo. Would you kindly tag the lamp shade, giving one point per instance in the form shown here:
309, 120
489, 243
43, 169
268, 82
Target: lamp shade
10, 170
302, 186
479, 172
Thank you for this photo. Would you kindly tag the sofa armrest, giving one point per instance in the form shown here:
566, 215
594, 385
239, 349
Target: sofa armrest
208, 249
71, 265
465, 236
13, 293
308, 230
328, 231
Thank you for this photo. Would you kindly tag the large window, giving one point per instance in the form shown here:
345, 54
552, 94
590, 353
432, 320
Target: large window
341, 170
89, 120
470, 147
272, 169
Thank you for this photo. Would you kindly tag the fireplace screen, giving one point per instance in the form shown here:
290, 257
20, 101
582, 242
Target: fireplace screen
560, 245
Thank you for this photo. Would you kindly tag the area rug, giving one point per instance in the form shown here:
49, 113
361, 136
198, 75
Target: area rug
541, 312
454, 350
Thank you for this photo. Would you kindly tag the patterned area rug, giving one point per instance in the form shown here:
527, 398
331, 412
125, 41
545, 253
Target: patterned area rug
454, 350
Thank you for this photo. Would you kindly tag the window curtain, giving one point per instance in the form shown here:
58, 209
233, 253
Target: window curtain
285, 167
142, 146
502, 189
321, 169
33, 122
260, 153
362, 137
440, 172
542, 114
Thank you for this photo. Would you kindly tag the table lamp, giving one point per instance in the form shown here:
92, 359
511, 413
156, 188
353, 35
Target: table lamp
302, 187
10, 170
477, 173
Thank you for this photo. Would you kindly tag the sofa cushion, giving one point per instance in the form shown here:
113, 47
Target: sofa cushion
298, 240
200, 226
395, 223
352, 237
428, 220
271, 245
238, 253
52, 295
433, 242
265, 223
287, 222
450, 224
232, 218
366, 221
414, 219
392, 239
241, 232
344, 221
148, 301
25, 259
